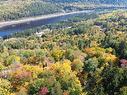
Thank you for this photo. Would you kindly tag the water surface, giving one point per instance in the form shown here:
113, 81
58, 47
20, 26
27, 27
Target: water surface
23, 26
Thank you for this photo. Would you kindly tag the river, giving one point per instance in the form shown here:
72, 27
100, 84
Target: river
9, 27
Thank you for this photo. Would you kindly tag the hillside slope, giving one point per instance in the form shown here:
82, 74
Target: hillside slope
13, 9
90, 58
16, 9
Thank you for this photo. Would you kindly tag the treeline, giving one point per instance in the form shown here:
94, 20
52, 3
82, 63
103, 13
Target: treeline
123, 2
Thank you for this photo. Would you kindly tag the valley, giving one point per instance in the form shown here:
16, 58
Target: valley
63, 47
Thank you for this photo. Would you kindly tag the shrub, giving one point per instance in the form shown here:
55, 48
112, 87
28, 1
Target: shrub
12, 59
69, 54
36, 86
19, 77
1, 67
123, 91
43, 91
57, 54
35, 70
5, 87
91, 64
77, 65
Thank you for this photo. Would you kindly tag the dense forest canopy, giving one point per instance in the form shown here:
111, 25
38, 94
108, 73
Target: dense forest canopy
15, 9
84, 55
89, 58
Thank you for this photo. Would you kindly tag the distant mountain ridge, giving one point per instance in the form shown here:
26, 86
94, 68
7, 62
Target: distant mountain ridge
123, 2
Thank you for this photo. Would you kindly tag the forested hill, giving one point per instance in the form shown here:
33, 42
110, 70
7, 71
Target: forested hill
122, 2
17, 9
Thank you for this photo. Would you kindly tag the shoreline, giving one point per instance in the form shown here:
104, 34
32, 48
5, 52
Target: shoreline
28, 20
37, 18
